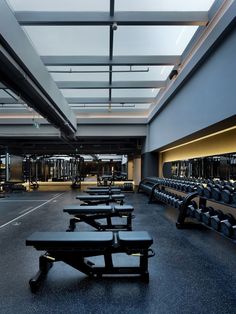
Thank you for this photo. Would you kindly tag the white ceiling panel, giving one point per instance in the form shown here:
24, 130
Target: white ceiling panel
135, 92
149, 73
85, 92
59, 5
152, 40
163, 5
69, 40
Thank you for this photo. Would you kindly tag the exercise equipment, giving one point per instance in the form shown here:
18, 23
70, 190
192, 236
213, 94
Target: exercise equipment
228, 226
101, 199
73, 248
103, 191
207, 214
216, 219
90, 215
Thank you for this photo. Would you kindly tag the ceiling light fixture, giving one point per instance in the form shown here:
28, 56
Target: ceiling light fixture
114, 26
173, 74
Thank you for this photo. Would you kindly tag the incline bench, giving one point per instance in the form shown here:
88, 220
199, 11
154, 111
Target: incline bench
101, 199
89, 215
72, 248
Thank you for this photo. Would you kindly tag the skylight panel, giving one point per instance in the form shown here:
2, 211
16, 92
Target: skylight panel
152, 40
135, 92
163, 5
85, 92
148, 73
69, 40
59, 5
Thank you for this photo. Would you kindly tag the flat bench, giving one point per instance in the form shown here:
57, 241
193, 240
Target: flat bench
90, 215
103, 191
101, 199
72, 248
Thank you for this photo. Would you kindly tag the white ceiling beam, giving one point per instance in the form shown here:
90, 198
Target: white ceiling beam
104, 18
28, 76
104, 60
106, 85
104, 100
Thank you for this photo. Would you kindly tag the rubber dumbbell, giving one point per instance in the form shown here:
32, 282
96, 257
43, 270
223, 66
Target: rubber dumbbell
216, 219
191, 211
199, 211
226, 196
207, 191
216, 192
200, 190
228, 226
206, 215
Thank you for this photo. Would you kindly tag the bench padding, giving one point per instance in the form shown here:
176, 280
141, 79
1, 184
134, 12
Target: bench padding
134, 238
86, 210
75, 240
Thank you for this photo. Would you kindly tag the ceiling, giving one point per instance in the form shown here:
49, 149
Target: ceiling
108, 59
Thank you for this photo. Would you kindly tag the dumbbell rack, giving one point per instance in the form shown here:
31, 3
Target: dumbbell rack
187, 200
224, 226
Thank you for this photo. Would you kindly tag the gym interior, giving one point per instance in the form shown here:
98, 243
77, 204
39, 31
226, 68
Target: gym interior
117, 156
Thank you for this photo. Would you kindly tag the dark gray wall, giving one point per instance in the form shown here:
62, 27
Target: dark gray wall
207, 98
149, 165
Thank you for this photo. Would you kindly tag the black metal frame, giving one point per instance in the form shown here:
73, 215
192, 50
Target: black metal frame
76, 258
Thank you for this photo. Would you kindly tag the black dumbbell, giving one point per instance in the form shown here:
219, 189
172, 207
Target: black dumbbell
216, 192
191, 211
216, 219
207, 191
200, 190
199, 211
206, 215
226, 196
228, 225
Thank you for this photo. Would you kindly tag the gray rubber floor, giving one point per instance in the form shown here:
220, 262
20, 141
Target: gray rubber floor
193, 271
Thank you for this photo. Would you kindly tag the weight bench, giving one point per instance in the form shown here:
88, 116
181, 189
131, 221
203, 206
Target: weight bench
101, 199
103, 191
72, 248
89, 215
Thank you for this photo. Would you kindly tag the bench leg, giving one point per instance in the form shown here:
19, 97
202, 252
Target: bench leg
72, 225
45, 263
144, 267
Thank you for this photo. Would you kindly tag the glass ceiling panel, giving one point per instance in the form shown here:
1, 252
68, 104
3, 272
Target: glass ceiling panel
85, 92
149, 73
4, 94
104, 106
135, 92
59, 5
80, 76
152, 40
79, 68
69, 40
163, 5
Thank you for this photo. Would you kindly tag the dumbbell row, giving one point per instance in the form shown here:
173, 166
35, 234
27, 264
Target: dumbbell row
170, 198
226, 193
225, 223
185, 186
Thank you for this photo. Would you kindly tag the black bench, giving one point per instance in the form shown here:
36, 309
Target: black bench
72, 248
103, 191
101, 199
89, 215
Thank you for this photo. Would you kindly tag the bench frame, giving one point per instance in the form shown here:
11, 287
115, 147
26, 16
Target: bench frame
77, 258
90, 219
